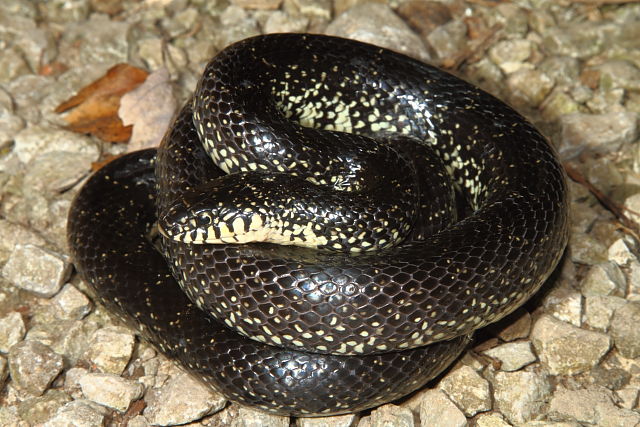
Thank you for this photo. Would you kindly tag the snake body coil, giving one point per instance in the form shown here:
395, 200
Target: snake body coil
353, 328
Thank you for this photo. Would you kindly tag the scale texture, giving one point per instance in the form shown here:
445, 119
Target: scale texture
351, 332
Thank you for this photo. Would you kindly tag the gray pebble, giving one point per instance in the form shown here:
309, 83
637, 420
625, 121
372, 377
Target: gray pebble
437, 410
248, 417
512, 356
511, 55
37, 410
72, 303
376, 23
386, 415
520, 395
110, 349
603, 279
12, 234
110, 390
33, 366
599, 309
625, 330
449, 40
66, 337
36, 270
565, 349
180, 400
39, 139
12, 330
468, 390
593, 406
602, 133
78, 413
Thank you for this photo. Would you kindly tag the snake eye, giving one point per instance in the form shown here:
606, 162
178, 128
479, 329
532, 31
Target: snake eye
204, 219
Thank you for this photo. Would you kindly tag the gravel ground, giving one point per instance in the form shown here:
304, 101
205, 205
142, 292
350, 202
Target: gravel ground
571, 357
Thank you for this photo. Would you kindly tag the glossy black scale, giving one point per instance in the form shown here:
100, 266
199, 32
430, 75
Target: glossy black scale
445, 286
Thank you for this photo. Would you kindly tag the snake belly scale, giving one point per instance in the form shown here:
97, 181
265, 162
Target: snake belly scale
319, 333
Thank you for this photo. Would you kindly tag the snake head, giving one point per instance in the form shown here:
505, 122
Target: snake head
222, 211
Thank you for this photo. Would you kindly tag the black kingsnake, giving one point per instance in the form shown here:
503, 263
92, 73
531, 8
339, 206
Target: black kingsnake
390, 304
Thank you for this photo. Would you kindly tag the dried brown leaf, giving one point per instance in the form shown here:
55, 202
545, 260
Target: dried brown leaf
95, 107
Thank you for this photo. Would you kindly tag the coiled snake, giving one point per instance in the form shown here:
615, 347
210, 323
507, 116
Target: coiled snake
323, 332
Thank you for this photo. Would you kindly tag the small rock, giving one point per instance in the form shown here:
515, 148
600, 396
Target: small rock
66, 337
625, 330
529, 87
558, 103
604, 279
280, 22
12, 65
183, 21
78, 413
9, 417
72, 381
619, 73
140, 421
602, 133
39, 139
564, 70
631, 204
63, 11
110, 349
468, 390
520, 395
514, 18
607, 102
491, 420
152, 52
449, 40
586, 249
510, 55
628, 397
12, 330
376, 23
436, 410
16, 8
599, 309
39, 409
72, 303
36, 270
386, 415
613, 378
180, 400
12, 234
580, 40
33, 366
634, 281
319, 10
620, 253
258, 4
565, 349
564, 303
95, 40
10, 124
55, 171
111, 390
248, 417
592, 406
236, 25
335, 421
512, 356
